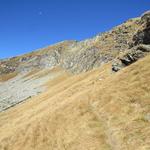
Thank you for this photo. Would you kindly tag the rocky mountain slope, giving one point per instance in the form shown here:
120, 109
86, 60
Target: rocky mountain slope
92, 94
73, 55
94, 110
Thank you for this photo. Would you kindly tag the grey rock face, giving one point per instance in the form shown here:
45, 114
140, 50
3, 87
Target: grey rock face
6, 67
143, 35
49, 61
131, 57
21, 88
84, 60
144, 48
140, 46
127, 59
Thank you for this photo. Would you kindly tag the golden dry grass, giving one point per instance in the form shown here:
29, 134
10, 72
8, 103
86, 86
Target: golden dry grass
96, 110
7, 77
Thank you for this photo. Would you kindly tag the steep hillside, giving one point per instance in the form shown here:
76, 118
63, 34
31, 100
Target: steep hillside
94, 110
87, 95
70, 56
16, 88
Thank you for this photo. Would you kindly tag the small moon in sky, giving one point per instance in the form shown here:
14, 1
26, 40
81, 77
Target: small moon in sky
40, 13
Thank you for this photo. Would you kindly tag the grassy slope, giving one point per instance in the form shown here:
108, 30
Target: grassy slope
6, 77
96, 110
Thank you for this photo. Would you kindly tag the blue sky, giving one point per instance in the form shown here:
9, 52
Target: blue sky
26, 25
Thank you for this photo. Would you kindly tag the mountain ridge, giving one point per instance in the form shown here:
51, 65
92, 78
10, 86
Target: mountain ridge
104, 42
93, 94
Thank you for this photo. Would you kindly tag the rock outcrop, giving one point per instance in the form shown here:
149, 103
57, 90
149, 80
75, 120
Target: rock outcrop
76, 56
89, 111
85, 55
140, 46
143, 34
143, 48
127, 59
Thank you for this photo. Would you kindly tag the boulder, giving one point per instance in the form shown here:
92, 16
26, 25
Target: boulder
131, 57
143, 48
117, 65
143, 34
127, 59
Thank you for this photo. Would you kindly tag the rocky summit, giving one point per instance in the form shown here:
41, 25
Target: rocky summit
80, 95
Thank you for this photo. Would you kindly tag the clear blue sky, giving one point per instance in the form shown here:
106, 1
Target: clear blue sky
26, 25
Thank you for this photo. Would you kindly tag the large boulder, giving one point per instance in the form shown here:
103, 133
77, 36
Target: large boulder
143, 48
130, 57
117, 65
143, 34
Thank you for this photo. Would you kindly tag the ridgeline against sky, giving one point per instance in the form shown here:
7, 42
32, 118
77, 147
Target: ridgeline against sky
30, 24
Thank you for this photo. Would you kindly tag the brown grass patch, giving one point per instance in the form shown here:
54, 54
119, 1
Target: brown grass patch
7, 77
93, 110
